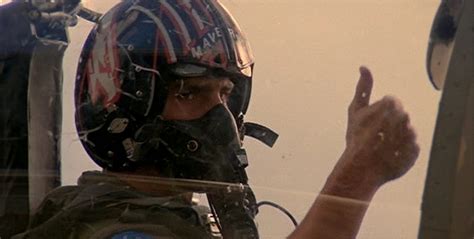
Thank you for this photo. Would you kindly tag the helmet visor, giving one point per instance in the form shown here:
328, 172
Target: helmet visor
192, 70
241, 47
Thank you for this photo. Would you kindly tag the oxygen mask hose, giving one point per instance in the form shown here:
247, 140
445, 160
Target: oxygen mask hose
235, 213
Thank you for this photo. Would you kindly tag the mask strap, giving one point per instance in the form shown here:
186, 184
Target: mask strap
260, 132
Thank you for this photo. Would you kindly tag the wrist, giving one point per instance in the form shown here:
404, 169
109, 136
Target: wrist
352, 178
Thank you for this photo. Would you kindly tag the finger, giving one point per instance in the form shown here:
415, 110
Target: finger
409, 154
376, 114
398, 130
363, 90
387, 107
393, 110
409, 135
406, 140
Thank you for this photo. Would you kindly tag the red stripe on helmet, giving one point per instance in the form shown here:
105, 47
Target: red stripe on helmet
178, 23
99, 66
196, 17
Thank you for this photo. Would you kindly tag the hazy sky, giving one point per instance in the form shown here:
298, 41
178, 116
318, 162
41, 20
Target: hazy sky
307, 58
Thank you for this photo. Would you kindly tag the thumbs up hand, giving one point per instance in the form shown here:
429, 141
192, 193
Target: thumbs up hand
380, 144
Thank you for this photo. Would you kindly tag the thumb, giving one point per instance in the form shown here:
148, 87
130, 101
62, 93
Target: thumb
363, 91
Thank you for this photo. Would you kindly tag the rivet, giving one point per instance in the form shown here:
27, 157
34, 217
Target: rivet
112, 108
192, 145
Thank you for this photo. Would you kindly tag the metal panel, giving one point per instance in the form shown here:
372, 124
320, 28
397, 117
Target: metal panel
44, 120
447, 208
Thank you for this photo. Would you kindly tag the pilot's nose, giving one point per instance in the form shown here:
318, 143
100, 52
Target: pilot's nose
215, 99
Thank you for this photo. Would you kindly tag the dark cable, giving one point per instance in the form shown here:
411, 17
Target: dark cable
286, 212
213, 211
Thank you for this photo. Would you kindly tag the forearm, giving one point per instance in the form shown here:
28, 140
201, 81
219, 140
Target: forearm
340, 208
332, 217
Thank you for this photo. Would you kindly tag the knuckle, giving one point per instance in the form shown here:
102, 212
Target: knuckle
389, 99
388, 102
416, 148
413, 154
392, 103
406, 119
411, 131
413, 149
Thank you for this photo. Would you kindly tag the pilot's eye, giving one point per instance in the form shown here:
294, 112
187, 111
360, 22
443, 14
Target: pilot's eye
185, 95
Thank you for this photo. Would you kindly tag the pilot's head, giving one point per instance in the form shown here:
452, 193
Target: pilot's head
164, 85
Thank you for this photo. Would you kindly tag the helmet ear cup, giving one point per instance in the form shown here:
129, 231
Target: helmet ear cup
110, 143
147, 139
